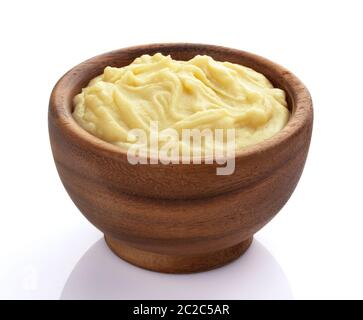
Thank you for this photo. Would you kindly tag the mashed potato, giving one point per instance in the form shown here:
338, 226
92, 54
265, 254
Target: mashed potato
200, 93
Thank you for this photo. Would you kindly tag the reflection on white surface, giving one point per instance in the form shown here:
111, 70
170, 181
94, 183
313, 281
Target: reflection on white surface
100, 274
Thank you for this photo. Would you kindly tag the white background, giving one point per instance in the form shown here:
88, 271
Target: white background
312, 249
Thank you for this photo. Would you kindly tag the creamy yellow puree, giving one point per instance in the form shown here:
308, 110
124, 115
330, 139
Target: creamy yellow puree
199, 93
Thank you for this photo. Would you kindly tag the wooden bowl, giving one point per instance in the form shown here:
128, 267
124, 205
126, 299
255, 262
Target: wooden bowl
178, 218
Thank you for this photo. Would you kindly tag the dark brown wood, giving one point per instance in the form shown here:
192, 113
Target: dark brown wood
178, 218
177, 263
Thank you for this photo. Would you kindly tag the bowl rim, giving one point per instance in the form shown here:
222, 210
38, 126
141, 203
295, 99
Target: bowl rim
301, 112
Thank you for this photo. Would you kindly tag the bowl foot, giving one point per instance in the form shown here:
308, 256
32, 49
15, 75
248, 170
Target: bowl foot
177, 263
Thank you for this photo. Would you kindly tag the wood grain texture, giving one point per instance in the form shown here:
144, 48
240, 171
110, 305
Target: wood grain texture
167, 213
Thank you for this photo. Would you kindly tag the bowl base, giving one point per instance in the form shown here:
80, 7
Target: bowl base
176, 263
